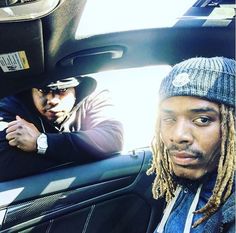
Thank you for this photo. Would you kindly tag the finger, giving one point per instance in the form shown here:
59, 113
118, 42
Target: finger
18, 118
13, 142
13, 127
12, 135
12, 123
17, 144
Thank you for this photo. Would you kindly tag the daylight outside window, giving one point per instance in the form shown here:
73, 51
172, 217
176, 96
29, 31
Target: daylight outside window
126, 15
135, 94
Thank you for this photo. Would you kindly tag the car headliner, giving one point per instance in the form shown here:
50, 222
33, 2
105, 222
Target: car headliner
53, 52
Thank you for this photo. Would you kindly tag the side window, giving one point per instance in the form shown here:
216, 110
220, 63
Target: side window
134, 92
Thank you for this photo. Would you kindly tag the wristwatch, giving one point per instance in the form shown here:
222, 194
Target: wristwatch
42, 143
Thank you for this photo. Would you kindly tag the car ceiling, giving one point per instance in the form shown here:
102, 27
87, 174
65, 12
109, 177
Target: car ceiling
53, 52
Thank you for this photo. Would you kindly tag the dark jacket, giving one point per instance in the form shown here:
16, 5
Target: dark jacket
89, 133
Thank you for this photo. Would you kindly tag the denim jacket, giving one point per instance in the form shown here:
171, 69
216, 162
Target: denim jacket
223, 221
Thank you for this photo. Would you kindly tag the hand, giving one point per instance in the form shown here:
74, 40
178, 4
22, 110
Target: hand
22, 134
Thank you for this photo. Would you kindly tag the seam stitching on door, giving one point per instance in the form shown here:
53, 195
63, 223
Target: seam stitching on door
88, 219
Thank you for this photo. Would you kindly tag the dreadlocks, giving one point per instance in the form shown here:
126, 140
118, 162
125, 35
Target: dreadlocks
164, 185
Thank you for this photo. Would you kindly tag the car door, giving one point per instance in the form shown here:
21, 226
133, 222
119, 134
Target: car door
112, 195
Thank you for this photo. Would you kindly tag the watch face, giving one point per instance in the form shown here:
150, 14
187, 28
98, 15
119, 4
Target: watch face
42, 141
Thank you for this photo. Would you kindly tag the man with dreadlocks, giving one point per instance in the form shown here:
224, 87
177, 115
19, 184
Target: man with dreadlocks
194, 147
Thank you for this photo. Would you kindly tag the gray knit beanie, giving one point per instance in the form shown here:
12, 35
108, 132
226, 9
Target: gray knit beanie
212, 79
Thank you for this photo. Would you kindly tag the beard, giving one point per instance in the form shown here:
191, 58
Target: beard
193, 184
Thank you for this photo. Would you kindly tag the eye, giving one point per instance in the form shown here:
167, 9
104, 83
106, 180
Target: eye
203, 121
63, 90
168, 119
43, 91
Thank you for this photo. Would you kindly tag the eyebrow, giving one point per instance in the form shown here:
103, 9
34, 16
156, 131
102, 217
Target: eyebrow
195, 110
204, 110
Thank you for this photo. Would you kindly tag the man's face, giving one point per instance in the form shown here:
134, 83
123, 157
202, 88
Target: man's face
54, 105
190, 130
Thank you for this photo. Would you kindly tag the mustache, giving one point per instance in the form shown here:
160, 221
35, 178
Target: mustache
50, 108
196, 153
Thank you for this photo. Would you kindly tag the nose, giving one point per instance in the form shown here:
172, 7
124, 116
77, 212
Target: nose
181, 133
53, 99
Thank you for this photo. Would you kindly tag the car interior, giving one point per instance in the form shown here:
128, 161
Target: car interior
45, 41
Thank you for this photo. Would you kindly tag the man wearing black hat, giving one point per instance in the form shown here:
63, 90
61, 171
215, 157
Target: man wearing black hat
194, 147
62, 122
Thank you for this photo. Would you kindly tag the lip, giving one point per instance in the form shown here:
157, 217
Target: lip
53, 113
183, 158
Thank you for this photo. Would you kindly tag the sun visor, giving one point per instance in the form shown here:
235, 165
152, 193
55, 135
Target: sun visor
21, 58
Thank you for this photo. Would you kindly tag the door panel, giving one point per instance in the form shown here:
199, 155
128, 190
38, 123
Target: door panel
113, 195
129, 213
